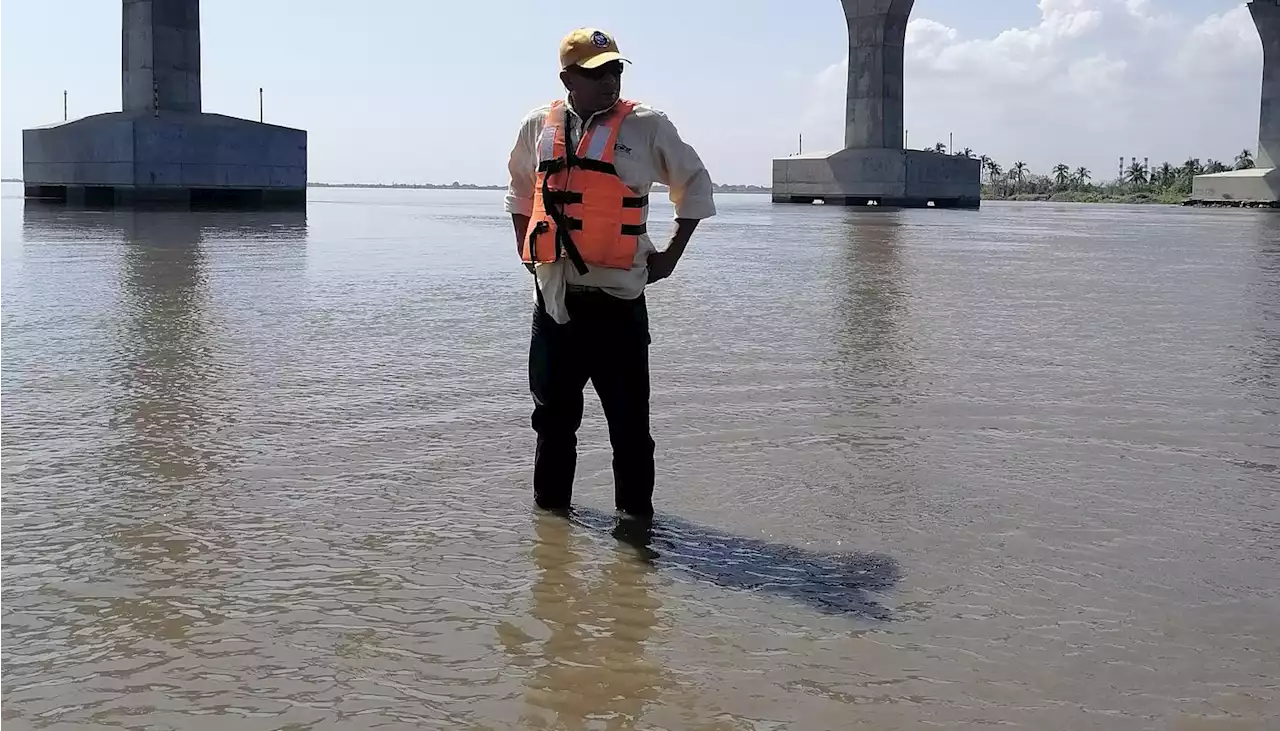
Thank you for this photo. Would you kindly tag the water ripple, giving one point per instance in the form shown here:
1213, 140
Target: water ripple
917, 468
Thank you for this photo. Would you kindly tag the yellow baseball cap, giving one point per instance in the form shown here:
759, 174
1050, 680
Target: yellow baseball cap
588, 48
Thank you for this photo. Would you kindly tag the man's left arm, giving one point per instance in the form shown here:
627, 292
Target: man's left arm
681, 170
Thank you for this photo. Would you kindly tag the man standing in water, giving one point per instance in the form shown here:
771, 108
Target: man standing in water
581, 170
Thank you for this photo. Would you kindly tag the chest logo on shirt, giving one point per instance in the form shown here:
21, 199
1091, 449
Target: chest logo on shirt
622, 148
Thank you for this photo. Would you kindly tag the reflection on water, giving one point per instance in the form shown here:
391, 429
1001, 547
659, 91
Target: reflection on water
592, 663
141, 536
168, 374
918, 469
1265, 309
873, 301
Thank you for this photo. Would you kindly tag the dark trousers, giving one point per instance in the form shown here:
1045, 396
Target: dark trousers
606, 341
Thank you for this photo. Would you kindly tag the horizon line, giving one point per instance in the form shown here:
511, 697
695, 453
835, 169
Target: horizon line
467, 186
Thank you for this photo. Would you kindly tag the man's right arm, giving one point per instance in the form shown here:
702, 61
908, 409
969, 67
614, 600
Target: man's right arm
521, 224
522, 167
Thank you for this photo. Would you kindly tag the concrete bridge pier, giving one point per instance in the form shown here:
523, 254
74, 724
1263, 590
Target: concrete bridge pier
162, 147
1258, 186
874, 168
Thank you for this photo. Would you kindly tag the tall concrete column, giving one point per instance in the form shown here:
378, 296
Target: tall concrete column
873, 168
873, 104
1266, 16
161, 55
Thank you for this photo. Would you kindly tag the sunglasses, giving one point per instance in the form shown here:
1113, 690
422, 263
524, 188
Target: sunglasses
613, 68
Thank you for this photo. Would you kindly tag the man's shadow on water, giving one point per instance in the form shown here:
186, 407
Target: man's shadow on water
831, 583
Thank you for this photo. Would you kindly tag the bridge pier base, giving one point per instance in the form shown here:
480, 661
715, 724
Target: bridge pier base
1255, 187
1259, 186
897, 178
161, 147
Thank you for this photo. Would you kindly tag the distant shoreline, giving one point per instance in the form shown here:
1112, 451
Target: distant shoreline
1160, 198
472, 186
1163, 198
409, 186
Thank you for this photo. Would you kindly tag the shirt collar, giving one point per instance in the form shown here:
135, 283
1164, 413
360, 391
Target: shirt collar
569, 105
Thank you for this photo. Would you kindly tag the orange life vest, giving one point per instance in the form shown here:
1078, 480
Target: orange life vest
581, 208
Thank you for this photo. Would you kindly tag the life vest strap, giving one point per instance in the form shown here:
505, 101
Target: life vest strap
552, 165
637, 229
598, 166
563, 197
573, 197
567, 245
536, 230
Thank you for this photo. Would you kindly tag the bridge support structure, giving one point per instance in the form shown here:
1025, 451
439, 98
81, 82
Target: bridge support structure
874, 167
1258, 186
161, 147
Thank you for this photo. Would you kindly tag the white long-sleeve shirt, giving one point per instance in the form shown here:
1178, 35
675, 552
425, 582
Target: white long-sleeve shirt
649, 150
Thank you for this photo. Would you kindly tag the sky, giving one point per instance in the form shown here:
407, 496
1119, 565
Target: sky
413, 92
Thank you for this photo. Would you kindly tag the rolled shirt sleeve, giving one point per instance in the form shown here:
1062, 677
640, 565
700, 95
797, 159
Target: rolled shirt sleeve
681, 170
522, 166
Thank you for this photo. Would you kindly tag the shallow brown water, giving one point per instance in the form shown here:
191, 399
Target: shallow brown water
1018, 466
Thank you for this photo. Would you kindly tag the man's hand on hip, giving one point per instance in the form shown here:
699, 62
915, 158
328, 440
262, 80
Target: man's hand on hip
663, 263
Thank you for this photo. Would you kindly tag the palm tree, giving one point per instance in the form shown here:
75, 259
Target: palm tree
1136, 174
1018, 170
1213, 166
940, 148
1244, 160
967, 152
1166, 175
994, 170
1082, 176
1061, 174
985, 163
1187, 172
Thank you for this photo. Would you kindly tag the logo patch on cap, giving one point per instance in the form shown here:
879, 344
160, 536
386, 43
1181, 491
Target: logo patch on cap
599, 40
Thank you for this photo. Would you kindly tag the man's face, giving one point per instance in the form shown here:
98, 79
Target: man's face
596, 89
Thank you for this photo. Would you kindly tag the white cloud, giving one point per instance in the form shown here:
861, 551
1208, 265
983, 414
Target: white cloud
927, 38
1096, 74
1092, 80
1221, 43
1068, 18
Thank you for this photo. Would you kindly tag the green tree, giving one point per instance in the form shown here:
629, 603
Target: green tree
1244, 160
1082, 176
1019, 172
1136, 174
995, 171
1187, 172
940, 148
1061, 174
